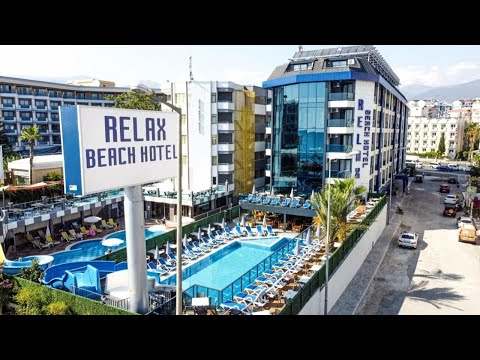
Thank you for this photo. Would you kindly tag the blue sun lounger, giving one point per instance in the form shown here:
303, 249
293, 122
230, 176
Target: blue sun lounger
166, 265
270, 230
201, 247
266, 200
229, 232
260, 230
286, 202
239, 231
275, 201
295, 203
232, 305
307, 205
250, 231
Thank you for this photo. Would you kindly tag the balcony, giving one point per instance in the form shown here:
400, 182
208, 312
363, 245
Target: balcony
43, 142
268, 166
340, 122
55, 131
54, 108
41, 93
5, 90
55, 119
41, 119
54, 94
339, 148
341, 96
8, 106
68, 96
40, 107
25, 119
9, 119
11, 131
337, 174
24, 106
24, 92
43, 130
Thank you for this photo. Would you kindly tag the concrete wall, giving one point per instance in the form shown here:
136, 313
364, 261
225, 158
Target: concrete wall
347, 270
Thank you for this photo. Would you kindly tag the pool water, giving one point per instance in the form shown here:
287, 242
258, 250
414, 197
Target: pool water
267, 242
91, 249
226, 265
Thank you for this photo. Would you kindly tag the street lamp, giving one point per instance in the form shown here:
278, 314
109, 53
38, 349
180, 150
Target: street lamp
162, 99
327, 245
391, 183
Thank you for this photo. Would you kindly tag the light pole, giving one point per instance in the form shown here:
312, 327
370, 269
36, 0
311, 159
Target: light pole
162, 99
327, 245
391, 184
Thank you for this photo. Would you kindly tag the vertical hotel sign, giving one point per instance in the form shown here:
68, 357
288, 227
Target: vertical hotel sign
364, 118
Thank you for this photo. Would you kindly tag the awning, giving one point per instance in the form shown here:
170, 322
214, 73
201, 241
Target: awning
36, 186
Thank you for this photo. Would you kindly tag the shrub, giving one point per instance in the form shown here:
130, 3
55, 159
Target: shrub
31, 300
56, 308
33, 273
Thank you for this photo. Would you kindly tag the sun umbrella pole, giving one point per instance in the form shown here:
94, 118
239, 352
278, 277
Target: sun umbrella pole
136, 249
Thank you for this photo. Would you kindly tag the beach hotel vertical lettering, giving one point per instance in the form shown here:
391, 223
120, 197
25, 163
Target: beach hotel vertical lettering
363, 136
125, 131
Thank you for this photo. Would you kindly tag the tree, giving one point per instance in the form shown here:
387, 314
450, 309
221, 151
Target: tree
441, 146
473, 133
343, 200
133, 100
7, 146
53, 176
30, 134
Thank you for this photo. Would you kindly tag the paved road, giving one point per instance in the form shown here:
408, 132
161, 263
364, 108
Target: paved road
442, 276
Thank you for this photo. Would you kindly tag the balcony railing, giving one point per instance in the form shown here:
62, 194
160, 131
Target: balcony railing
55, 119
41, 119
268, 145
7, 105
54, 108
11, 131
340, 96
25, 119
268, 166
54, 94
344, 174
9, 118
24, 92
41, 93
5, 90
40, 107
268, 123
340, 122
25, 106
339, 148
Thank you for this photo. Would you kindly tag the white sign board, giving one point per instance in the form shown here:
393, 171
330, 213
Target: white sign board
109, 148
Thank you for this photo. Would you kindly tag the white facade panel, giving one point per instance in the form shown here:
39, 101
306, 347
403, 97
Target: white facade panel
260, 109
259, 146
344, 103
224, 105
199, 136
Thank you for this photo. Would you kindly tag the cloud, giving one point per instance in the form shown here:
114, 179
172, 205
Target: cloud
439, 76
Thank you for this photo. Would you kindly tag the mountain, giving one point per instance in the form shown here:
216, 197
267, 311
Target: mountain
411, 90
469, 90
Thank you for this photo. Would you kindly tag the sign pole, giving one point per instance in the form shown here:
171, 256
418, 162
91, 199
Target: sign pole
136, 249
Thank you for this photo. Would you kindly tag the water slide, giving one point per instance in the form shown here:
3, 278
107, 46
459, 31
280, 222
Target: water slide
15, 267
88, 279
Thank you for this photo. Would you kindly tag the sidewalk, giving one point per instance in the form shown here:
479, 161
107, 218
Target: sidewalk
349, 301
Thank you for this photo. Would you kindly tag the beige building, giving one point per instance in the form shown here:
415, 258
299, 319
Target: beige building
42, 165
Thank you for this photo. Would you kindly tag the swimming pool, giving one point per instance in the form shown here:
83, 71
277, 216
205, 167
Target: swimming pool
227, 264
91, 249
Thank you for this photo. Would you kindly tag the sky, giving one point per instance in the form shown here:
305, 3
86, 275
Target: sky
127, 65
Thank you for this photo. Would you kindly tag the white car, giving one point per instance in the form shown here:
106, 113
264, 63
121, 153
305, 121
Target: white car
434, 165
451, 199
453, 167
465, 220
467, 168
408, 239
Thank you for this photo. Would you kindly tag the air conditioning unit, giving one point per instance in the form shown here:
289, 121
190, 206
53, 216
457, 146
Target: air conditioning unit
351, 62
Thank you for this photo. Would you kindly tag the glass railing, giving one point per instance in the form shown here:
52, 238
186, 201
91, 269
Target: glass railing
7, 105
268, 123
42, 107
26, 118
41, 93
339, 148
340, 122
54, 108
9, 118
268, 166
24, 106
54, 94
41, 119
5, 90
10, 131
268, 145
344, 174
340, 96
24, 92
16, 212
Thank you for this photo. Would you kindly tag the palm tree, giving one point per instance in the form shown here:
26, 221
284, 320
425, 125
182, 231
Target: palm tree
473, 133
30, 134
343, 200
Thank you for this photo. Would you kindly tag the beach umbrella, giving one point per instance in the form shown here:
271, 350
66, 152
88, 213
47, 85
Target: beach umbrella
156, 228
243, 221
167, 248
296, 249
223, 223
308, 239
155, 254
313, 194
112, 242
253, 189
92, 219
272, 191
319, 230
264, 220
185, 240
209, 231
291, 193
199, 234
47, 231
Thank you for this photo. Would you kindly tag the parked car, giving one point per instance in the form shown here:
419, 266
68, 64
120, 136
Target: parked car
408, 239
467, 233
452, 180
465, 220
434, 165
453, 167
451, 199
450, 210
443, 168
467, 168
444, 188
419, 178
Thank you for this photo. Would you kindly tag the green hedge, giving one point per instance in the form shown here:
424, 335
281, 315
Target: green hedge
335, 259
162, 239
79, 305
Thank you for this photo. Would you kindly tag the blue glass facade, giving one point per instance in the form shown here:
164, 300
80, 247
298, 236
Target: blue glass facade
300, 112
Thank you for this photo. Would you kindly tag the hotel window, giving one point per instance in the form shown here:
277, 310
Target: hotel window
214, 98
214, 160
214, 139
434, 134
214, 119
179, 98
452, 135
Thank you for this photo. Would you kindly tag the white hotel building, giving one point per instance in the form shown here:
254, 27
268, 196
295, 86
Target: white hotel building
425, 130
